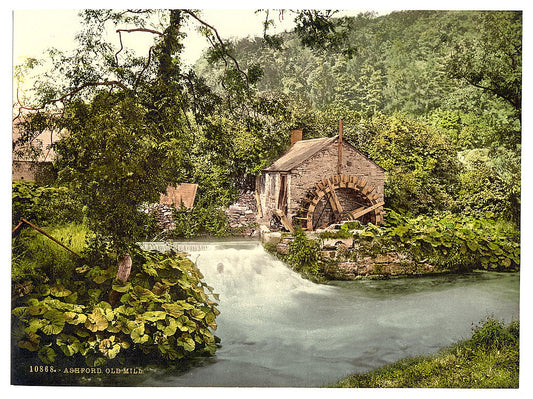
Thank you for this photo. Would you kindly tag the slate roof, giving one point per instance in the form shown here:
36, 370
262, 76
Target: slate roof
303, 150
299, 152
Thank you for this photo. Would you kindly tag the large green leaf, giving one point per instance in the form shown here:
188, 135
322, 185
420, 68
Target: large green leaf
35, 324
154, 315
109, 347
56, 322
185, 324
138, 336
210, 320
96, 320
47, 354
31, 342
36, 310
58, 290
143, 293
69, 344
121, 287
174, 309
75, 318
197, 314
472, 245
186, 341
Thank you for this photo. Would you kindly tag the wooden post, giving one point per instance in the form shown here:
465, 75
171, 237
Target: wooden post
339, 161
22, 221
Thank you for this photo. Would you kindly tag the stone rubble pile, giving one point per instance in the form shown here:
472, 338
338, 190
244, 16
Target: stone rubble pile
163, 215
243, 214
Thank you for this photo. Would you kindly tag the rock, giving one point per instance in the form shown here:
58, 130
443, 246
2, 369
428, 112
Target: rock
282, 248
271, 237
335, 242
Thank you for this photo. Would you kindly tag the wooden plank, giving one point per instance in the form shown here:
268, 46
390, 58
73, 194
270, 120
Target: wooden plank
355, 211
284, 220
373, 196
368, 189
357, 214
334, 200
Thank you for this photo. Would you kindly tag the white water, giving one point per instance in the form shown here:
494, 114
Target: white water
278, 329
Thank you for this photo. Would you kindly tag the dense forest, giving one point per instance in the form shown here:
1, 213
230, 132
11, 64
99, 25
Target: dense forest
432, 96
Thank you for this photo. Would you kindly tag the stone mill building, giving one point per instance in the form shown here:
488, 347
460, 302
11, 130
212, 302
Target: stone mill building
320, 182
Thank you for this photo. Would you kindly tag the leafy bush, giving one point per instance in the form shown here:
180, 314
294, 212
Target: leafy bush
44, 205
492, 334
303, 253
162, 312
342, 233
421, 164
190, 223
454, 241
490, 182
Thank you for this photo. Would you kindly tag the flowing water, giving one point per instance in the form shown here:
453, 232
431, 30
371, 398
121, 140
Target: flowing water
279, 330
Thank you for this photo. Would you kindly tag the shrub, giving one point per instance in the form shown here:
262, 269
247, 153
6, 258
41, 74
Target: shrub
190, 223
303, 253
492, 334
163, 312
456, 242
44, 205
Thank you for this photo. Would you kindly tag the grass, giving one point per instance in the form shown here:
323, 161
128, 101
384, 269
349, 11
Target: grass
35, 254
490, 359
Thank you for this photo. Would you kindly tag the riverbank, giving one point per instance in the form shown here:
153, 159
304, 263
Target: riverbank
490, 359
403, 247
342, 259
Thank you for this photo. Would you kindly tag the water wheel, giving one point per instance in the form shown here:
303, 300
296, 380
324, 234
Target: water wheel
341, 198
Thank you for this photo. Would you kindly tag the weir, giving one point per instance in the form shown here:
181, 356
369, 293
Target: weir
280, 330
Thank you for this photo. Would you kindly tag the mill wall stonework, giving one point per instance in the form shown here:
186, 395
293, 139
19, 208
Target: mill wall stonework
324, 164
308, 163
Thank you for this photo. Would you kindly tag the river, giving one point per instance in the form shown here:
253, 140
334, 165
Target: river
280, 330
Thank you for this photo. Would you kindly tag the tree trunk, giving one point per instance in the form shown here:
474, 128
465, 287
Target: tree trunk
124, 268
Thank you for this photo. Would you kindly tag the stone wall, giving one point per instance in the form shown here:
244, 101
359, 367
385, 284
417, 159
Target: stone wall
163, 215
33, 171
390, 264
324, 164
242, 215
342, 261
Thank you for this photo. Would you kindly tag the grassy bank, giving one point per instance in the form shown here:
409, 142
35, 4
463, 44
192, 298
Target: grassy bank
490, 359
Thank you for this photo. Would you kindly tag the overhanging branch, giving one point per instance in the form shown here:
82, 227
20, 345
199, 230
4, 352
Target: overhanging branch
221, 42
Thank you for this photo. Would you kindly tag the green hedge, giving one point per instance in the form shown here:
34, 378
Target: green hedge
44, 205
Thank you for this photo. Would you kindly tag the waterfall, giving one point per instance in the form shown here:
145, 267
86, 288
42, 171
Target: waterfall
278, 329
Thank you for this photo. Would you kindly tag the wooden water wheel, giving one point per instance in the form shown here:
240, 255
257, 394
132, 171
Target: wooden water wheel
341, 198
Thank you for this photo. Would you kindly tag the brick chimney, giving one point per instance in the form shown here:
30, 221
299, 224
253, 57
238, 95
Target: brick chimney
296, 135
